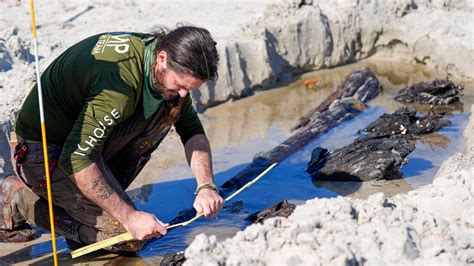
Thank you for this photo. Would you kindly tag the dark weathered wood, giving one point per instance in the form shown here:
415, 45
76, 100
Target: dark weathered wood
358, 84
281, 209
370, 157
405, 121
175, 259
437, 92
359, 87
380, 153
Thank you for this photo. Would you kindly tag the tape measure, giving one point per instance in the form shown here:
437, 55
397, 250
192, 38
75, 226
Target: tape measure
127, 236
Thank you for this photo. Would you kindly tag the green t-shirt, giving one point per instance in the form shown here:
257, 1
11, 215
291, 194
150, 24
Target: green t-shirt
91, 88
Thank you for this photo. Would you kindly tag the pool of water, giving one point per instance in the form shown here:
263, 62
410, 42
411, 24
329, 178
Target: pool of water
239, 130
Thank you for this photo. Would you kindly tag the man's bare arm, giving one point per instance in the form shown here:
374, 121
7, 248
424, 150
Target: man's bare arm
198, 154
96, 188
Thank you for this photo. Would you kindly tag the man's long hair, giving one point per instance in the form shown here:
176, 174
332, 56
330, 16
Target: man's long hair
191, 50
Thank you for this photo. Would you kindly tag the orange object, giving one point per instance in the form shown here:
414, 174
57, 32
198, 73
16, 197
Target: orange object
43, 135
310, 83
360, 106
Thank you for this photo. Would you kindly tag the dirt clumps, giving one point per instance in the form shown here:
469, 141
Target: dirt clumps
175, 259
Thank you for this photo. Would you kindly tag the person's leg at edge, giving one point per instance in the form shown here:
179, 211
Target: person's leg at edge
76, 217
13, 226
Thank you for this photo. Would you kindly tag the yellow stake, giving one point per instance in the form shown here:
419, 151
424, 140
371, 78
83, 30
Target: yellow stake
43, 135
127, 236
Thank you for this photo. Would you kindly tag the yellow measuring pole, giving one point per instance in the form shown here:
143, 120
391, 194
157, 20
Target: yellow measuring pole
43, 135
127, 236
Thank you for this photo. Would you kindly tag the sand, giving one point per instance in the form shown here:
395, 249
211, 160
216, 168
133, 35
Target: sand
263, 43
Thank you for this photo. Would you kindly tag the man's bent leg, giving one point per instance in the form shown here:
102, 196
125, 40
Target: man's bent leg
13, 226
32, 208
35, 209
94, 223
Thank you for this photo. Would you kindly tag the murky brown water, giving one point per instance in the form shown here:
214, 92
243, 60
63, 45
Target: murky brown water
251, 118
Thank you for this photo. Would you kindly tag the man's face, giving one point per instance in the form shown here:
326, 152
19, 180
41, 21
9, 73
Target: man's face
171, 84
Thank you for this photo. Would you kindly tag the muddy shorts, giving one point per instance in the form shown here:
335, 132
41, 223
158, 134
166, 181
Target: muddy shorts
76, 217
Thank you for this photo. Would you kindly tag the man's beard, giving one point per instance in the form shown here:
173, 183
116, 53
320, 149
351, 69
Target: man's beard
170, 96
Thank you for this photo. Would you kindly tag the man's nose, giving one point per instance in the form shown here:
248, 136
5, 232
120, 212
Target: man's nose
182, 93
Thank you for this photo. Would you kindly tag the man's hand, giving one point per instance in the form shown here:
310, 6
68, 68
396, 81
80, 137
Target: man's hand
143, 225
209, 202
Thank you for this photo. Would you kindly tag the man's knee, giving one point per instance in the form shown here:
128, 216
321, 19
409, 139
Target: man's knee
90, 235
24, 204
131, 246
13, 227
35, 210
10, 186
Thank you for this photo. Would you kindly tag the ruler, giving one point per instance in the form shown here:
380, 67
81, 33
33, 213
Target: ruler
127, 236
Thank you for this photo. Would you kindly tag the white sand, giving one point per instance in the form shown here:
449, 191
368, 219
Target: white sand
275, 44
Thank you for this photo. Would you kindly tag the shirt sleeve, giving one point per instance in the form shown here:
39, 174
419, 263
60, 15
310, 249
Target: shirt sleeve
188, 124
111, 101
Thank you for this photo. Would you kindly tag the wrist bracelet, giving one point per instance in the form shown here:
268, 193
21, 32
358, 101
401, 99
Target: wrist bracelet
207, 185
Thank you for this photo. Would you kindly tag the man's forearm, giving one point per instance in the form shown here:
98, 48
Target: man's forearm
198, 154
95, 187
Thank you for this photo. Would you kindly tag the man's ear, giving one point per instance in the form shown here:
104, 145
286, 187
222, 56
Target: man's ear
161, 59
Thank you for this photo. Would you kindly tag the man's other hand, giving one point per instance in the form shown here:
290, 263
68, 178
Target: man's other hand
209, 202
143, 225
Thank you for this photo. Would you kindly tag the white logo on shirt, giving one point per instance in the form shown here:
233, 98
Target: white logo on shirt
97, 133
118, 42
